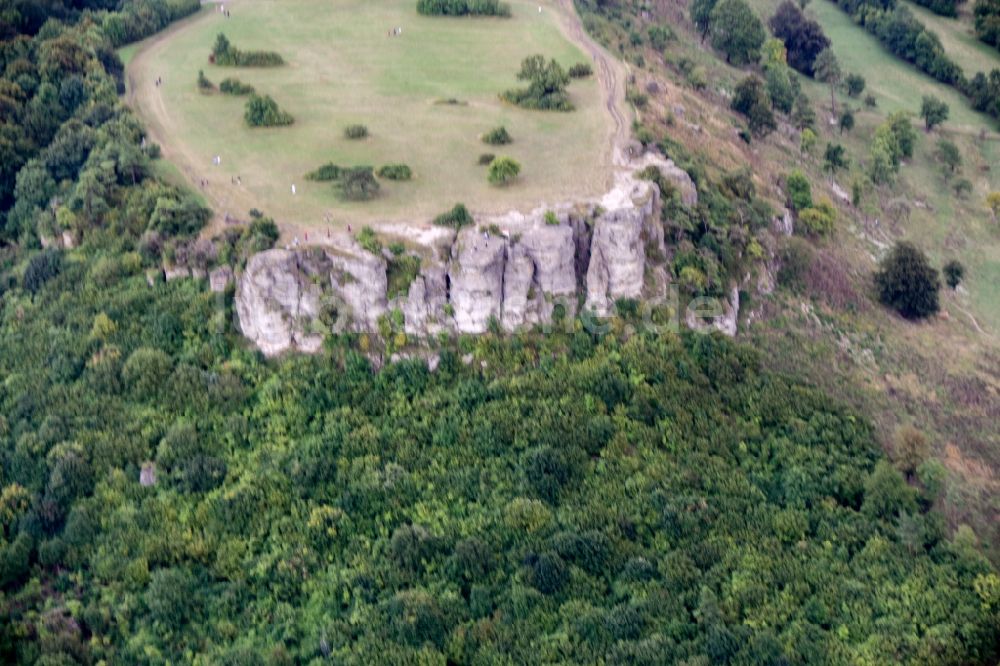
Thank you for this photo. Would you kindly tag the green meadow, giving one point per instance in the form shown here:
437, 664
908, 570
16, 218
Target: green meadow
342, 67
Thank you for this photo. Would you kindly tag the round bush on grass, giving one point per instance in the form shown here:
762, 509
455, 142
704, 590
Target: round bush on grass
326, 172
455, 218
907, 283
486, 158
395, 172
231, 86
503, 171
264, 112
357, 184
497, 136
355, 131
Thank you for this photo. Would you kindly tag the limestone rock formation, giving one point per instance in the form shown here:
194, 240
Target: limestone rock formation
617, 249
424, 307
220, 278
176, 273
278, 303
677, 176
724, 314
513, 270
784, 224
476, 276
359, 280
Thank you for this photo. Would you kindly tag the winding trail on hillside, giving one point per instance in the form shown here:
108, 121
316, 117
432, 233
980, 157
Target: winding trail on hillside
143, 96
610, 74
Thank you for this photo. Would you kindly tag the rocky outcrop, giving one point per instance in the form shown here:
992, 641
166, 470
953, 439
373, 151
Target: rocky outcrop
278, 302
784, 224
359, 280
476, 276
712, 314
220, 278
617, 249
176, 273
424, 307
673, 174
511, 272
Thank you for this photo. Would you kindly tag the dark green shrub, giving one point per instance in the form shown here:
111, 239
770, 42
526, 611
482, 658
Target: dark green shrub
547, 573
264, 112
639, 100
546, 89
395, 172
471, 561
455, 218
42, 268
580, 70
503, 170
591, 551
854, 84
227, 55
486, 158
906, 282
752, 100
416, 619
368, 240
463, 8
954, 273
401, 271
799, 190
171, 596
355, 131
497, 136
325, 173
357, 184
204, 85
411, 546
233, 86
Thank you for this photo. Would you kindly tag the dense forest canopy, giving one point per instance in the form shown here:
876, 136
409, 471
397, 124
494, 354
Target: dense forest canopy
168, 496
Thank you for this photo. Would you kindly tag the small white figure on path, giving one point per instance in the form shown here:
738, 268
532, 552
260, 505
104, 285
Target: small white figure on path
539, 9
293, 188
218, 160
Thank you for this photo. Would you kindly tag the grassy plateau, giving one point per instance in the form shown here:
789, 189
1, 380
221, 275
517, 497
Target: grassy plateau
342, 68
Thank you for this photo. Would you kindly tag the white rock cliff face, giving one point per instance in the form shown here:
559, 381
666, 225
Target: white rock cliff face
618, 249
598, 252
278, 303
476, 276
